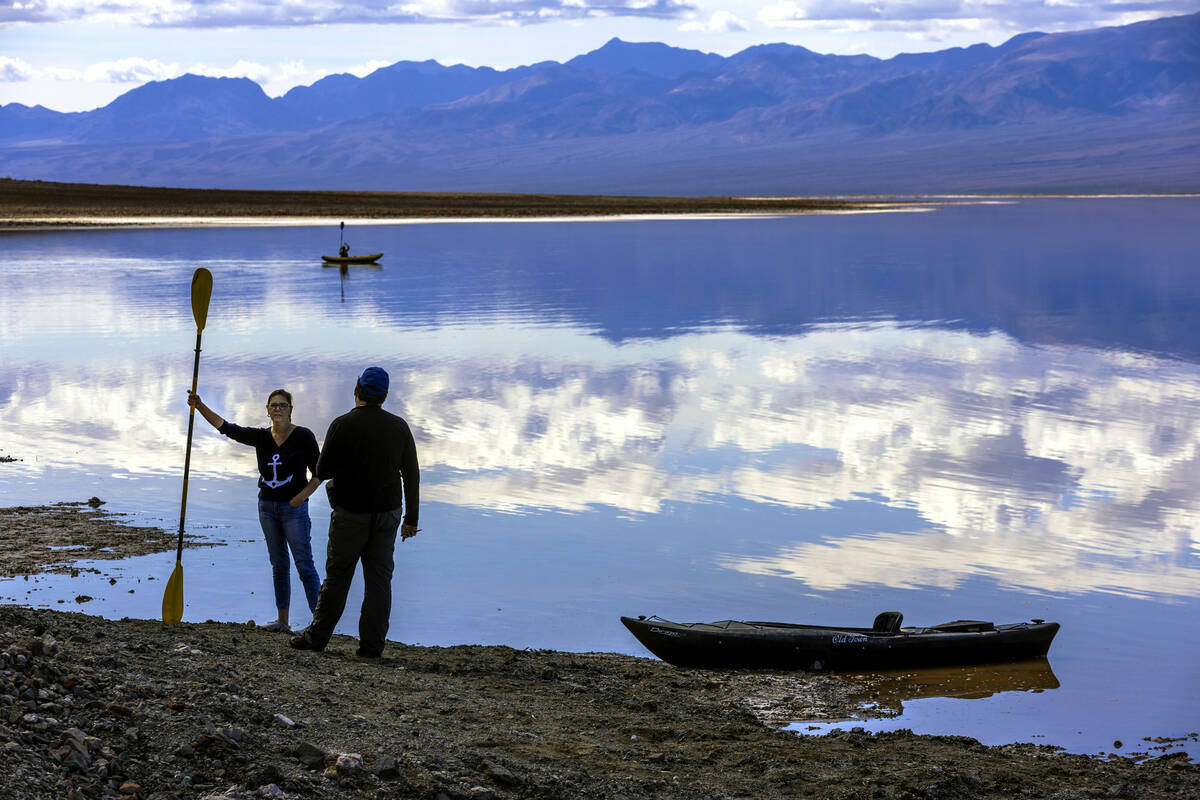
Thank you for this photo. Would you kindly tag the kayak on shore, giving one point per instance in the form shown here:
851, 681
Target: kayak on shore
367, 259
885, 645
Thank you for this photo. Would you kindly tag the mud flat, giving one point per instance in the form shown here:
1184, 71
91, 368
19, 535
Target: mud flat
51, 538
25, 204
95, 708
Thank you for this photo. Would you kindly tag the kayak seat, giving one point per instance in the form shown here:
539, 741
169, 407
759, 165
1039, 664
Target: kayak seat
888, 622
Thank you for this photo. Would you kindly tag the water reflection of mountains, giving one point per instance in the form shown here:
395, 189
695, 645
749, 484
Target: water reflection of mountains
887, 692
1025, 272
1104, 273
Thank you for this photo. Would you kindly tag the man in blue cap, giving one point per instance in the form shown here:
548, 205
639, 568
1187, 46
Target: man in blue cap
370, 459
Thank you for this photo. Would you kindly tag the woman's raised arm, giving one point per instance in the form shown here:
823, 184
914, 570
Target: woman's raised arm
213, 417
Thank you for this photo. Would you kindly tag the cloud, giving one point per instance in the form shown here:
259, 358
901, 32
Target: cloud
267, 13
13, 70
719, 22
129, 70
366, 68
919, 15
274, 78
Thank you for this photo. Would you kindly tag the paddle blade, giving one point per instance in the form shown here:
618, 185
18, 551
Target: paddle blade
172, 610
201, 293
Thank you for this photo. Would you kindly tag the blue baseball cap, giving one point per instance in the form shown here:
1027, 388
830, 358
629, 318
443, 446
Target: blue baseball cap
374, 381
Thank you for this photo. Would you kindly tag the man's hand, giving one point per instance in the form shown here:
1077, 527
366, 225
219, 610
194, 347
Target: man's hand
408, 531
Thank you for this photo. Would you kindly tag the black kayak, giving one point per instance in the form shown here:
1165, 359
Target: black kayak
367, 259
885, 645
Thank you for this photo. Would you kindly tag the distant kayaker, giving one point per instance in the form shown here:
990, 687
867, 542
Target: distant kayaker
344, 250
370, 459
286, 453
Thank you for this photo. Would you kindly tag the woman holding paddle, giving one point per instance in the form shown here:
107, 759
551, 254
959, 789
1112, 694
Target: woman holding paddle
286, 454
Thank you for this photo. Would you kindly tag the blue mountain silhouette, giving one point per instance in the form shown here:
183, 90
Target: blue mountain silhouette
1111, 109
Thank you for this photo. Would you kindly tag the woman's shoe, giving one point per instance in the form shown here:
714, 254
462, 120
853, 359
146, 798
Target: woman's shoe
277, 627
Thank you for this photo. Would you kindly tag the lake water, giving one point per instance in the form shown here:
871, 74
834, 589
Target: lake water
982, 411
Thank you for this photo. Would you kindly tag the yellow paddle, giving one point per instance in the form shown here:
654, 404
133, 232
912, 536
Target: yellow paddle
172, 606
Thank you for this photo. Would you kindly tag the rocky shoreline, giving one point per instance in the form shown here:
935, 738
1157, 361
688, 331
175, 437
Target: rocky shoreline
98, 708
93, 708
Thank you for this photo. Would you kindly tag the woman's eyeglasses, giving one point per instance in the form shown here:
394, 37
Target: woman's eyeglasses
278, 406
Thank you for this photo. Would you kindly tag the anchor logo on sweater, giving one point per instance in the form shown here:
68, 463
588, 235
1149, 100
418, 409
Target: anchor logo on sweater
275, 483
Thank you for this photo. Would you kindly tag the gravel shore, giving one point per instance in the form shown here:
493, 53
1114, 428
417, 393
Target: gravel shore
133, 708
96, 708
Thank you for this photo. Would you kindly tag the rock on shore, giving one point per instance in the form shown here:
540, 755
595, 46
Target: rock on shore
95, 708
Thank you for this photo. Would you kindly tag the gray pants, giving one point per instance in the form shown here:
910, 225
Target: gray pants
354, 537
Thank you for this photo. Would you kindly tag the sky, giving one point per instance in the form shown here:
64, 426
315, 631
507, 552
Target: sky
75, 55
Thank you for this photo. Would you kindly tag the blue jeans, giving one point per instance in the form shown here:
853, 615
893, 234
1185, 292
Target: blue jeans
287, 528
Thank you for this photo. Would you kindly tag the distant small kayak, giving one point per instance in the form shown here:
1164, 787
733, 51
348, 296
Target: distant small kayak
367, 259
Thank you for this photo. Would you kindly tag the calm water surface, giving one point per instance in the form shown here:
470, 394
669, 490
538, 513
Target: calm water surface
985, 411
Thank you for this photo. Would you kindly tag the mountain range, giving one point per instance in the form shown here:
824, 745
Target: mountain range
1104, 110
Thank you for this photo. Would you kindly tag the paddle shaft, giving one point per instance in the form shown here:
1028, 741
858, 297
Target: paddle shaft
187, 458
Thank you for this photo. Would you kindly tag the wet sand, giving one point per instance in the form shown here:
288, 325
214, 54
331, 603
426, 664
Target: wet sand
106, 708
25, 204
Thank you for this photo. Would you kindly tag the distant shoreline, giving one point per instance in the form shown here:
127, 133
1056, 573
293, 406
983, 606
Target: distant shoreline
42, 205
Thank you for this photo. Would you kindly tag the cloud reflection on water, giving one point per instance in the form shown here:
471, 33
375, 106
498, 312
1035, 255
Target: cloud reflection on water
1051, 469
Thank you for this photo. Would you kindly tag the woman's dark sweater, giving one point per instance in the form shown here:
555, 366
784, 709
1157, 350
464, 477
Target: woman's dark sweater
284, 469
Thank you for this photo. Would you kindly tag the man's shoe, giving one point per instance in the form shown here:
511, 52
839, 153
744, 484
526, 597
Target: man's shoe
368, 654
305, 642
